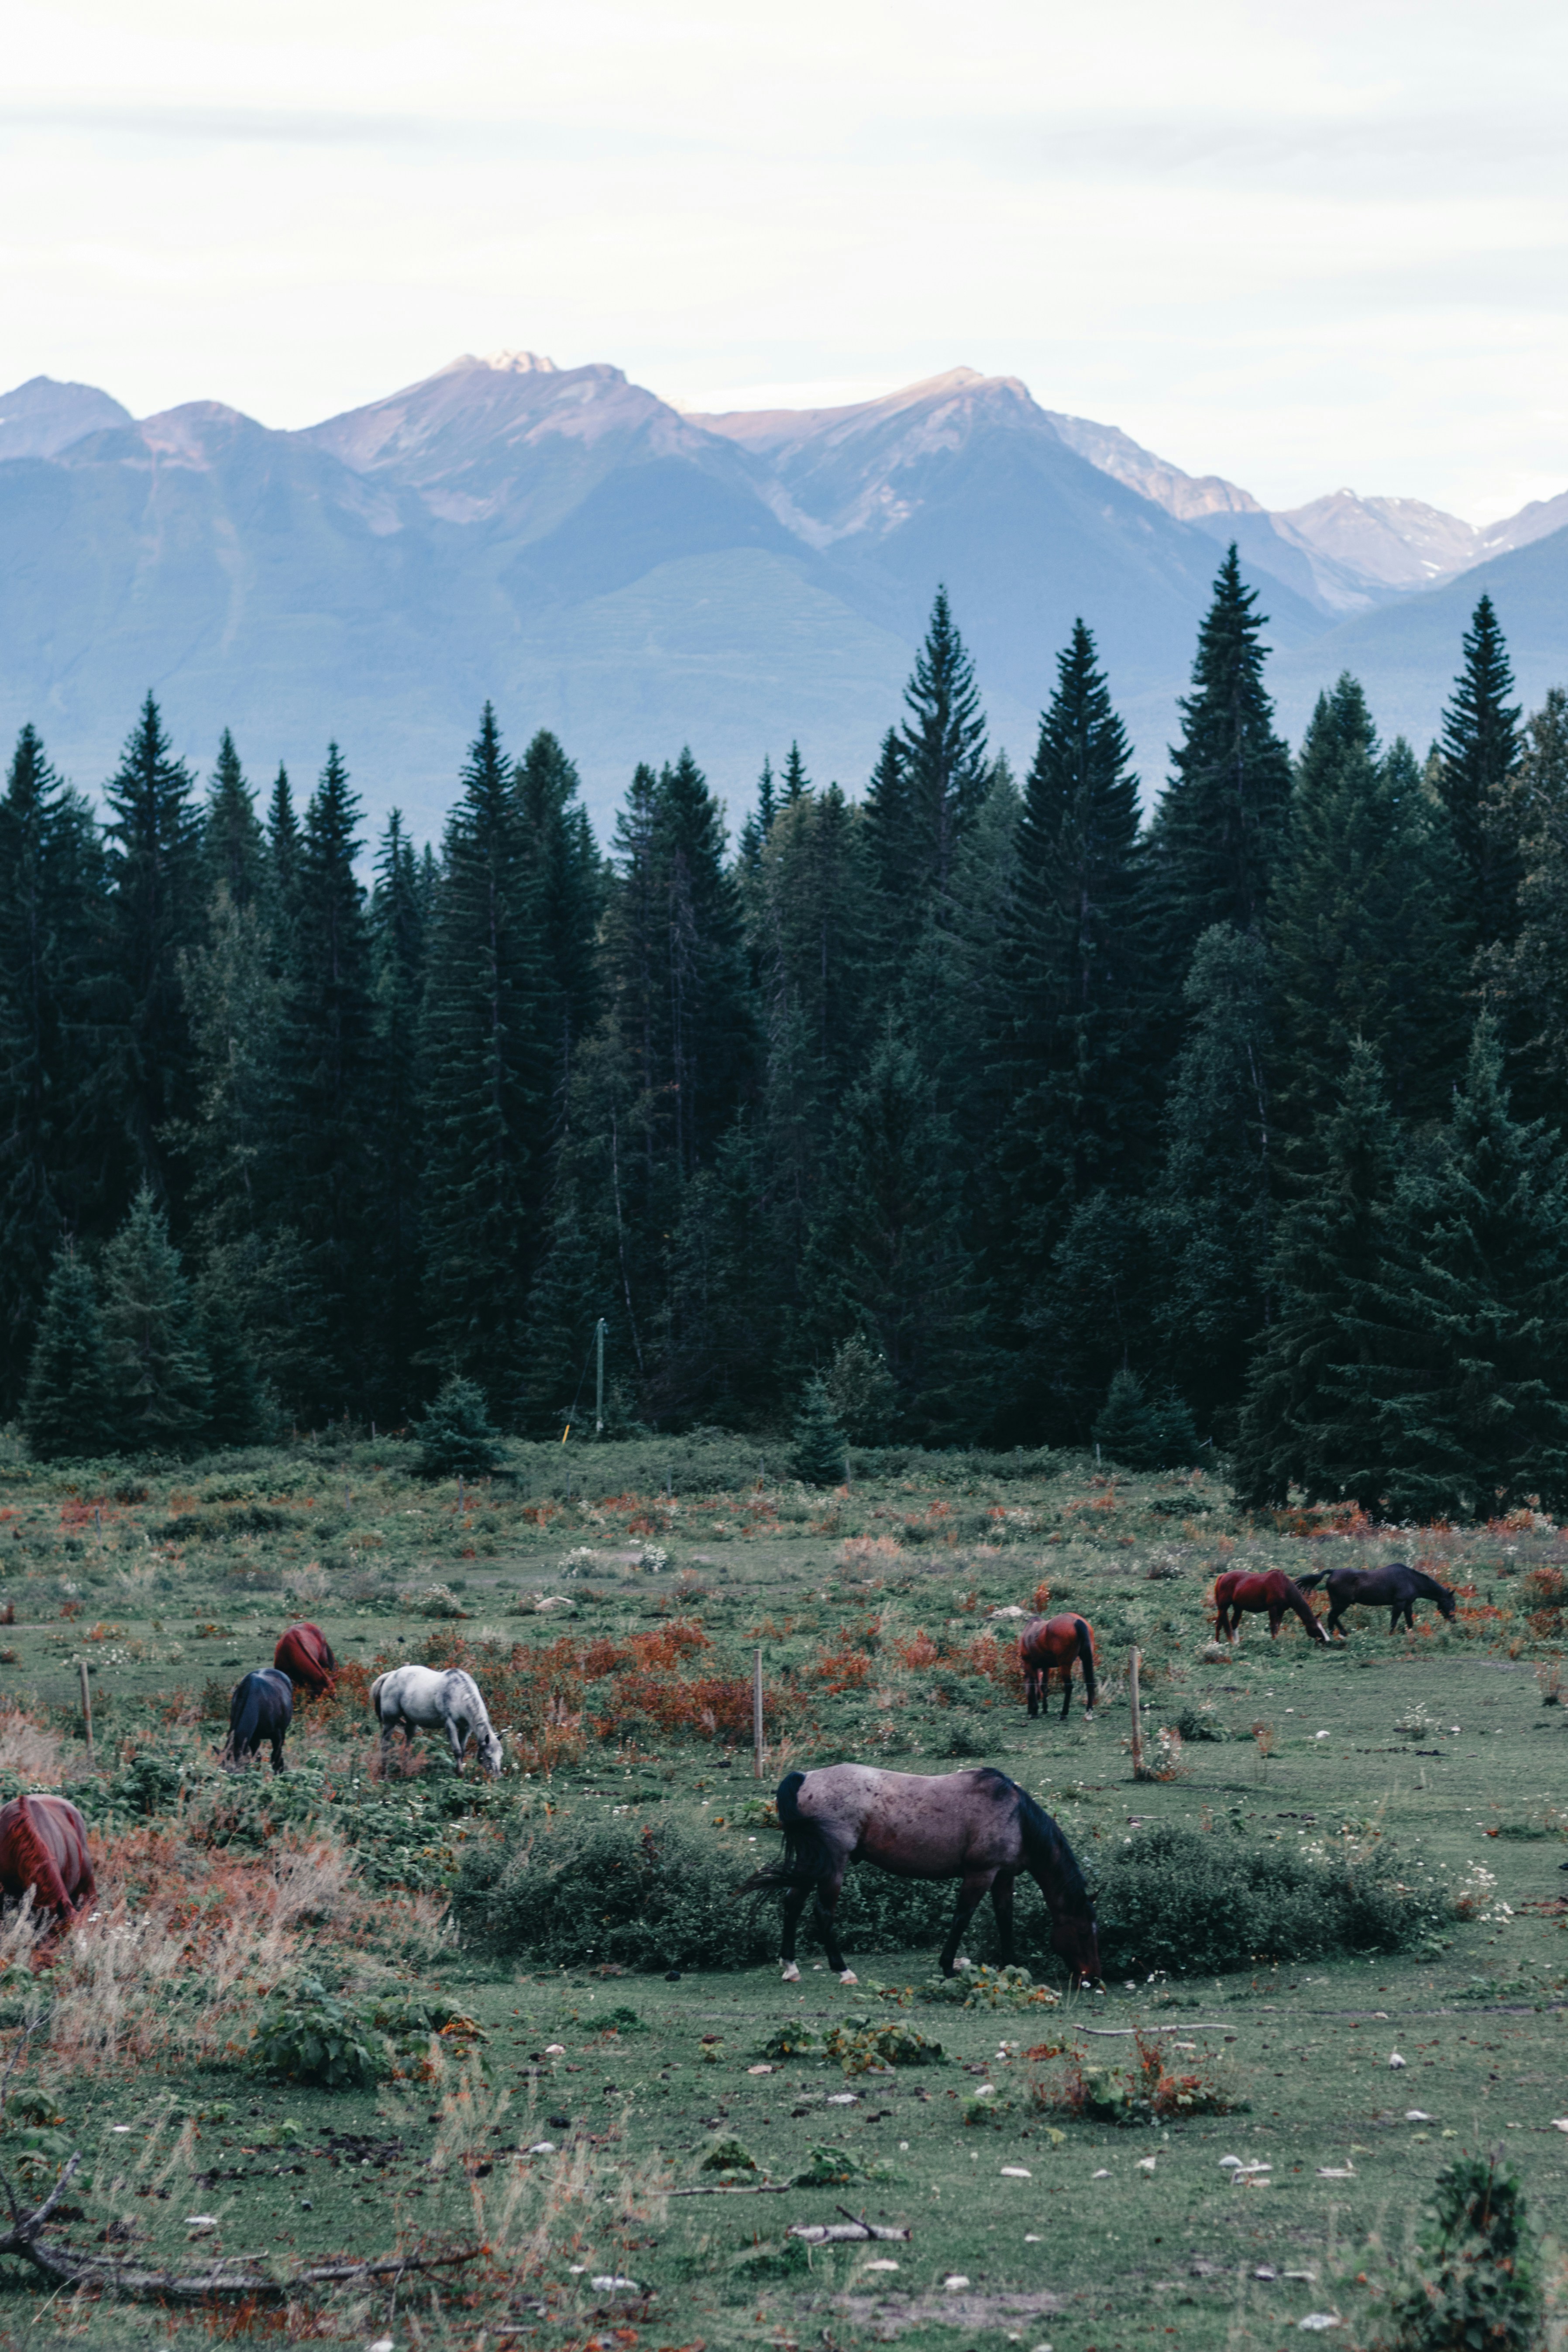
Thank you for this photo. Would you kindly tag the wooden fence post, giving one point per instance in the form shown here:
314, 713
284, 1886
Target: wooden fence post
757, 1716
1137, 1719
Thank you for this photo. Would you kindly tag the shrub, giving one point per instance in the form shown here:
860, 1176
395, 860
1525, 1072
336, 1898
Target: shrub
1178, 1898
308, 2036
836, 2168
457, 1436
862, 2045
818, 1459
1144, 2091
1475, 2281
985, 1988
1200, 1722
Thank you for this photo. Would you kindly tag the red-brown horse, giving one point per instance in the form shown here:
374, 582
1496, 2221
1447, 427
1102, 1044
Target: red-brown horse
43, 1845
305, 1655
1241, 1590
1047, 1641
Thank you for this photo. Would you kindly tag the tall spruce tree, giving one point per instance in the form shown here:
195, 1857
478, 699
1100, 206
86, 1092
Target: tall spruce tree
160, 1380
155, 917
1221, 823
1301, 1424
758, 824
1477, 774
487, 1061
795, 784
51, 914
1527, 979
233, 844
66, 1410
324, 1161
942, 746
282, 894
711, 1033
397, 950
1069, 1053
1362, 941
571, 884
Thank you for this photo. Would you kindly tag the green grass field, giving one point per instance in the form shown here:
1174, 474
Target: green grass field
872, 1607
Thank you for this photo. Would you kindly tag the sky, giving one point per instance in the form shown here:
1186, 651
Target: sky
1305, 247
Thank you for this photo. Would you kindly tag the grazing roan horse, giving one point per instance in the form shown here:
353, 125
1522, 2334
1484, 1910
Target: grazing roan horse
1240, 1589
1047, 1641
976, 1826
1396, 1587
260, 1709
305, 1655
43, 1845
425, 1698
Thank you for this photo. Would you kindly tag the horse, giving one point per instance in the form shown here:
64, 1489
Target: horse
261, 1708
305, 1655
976, 1826
423, 1698
1047, 1641
1395, 1586
43, 1845
1240, 1589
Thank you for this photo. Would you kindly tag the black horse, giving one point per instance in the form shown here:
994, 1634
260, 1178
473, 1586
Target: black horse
1396, 1587
261, 1708
977, 1826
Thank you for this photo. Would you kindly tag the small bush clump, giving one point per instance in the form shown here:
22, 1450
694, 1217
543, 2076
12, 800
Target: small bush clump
1147, 2091
1475, 2279
307, 2035
1178, 1898
987, 1988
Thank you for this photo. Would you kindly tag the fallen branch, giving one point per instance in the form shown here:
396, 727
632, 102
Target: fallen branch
66, 2268
851, 2230
742, 2189
1125, 2032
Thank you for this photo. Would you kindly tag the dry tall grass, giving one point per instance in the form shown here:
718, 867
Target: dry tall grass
30, 1747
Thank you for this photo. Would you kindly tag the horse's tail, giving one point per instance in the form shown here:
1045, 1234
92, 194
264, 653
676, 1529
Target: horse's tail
37, 1863
375, 1696
1311, 1583
328, 1660
1049, 1860
1084, 1633
244, 1719
807, 1857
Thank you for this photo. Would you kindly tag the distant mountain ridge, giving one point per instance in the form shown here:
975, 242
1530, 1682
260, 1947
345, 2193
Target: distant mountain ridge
592, 559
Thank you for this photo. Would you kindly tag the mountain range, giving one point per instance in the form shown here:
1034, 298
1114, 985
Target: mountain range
594, 560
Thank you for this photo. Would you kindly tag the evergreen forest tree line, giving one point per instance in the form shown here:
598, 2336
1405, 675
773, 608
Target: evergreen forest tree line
972, 1111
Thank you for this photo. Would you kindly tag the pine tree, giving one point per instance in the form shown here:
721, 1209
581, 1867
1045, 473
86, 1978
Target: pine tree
51, 922
457, 1436
1070, 1056
240, 1412
159, 1381
573, 1287
1092, 1314
796, 782
1297, 1426
329, 1060
1220, 826
711, 1036
155, 917
66, 1410
1462, 1400
397, 950
1208, 1217
943, 749
820, 1456
571, 883
1476, 777
1126, 1431
1361, 942
1527, 978
487, 1051
758, 824
234, 847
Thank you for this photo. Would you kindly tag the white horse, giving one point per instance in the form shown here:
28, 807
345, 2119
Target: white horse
424, 1698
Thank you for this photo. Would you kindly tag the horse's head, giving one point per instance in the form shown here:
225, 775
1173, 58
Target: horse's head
1446, 1604
492, 1755
1075, 1938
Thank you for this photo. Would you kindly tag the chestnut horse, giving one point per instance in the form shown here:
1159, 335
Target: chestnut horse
1047, 1641
1240, 1589
975, 1826
305, 1655
43, 1845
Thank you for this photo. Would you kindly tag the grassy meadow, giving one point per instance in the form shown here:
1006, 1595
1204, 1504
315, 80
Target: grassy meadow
553, 2020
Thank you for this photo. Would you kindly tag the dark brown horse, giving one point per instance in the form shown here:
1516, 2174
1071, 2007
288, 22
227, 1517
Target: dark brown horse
1396, 1587
1241, 1590
305, 1655
976, 1826
1055, 1642
43, 1845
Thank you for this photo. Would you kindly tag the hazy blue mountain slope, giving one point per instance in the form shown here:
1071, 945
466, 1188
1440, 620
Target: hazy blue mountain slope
42, 418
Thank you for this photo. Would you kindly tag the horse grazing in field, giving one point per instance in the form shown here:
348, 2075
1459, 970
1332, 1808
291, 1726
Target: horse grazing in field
1396, 1587
424, 1698
43, 1845
261, 1708
1241, 1590
305, 1655
976, 1826
1047, 1641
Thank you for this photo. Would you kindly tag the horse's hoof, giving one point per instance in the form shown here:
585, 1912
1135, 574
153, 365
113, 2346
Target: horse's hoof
849, 1977
792, 1974
1089, 1714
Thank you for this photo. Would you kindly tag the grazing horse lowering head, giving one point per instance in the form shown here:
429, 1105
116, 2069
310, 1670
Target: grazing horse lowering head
43, 1849
305, 1655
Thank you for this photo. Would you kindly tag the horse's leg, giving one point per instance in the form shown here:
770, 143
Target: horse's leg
975, 1887
1002, 1904
793, 1904
1066, 1689
457, 1735
1032, 1690
278, 1765
827, 1893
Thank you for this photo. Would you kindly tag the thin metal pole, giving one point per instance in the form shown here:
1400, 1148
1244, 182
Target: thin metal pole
756, 1715
1137, 1719
599, 1388
86, 1709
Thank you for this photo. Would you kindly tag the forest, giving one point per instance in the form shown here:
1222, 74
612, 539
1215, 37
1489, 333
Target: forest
973, 1111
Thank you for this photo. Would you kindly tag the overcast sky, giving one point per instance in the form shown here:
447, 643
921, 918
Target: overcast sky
1301, 245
